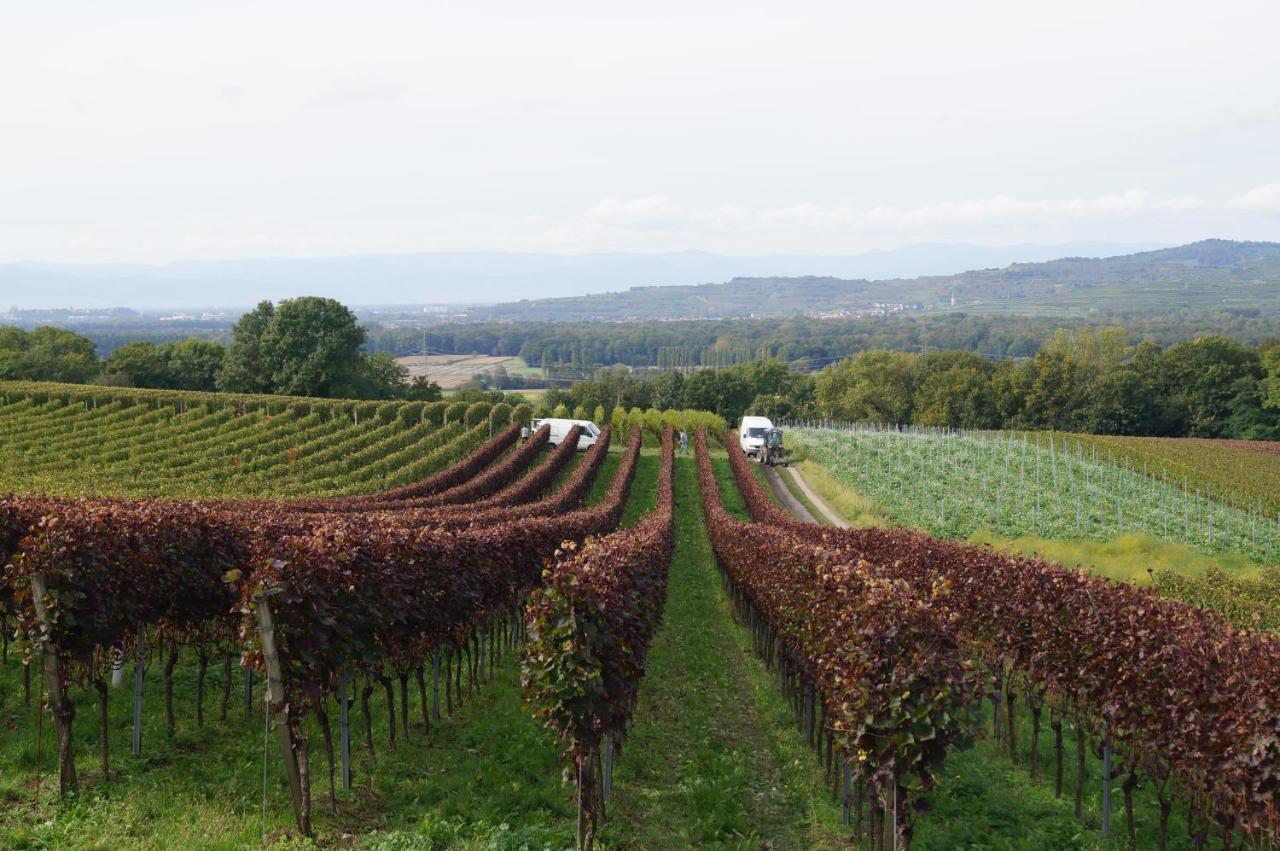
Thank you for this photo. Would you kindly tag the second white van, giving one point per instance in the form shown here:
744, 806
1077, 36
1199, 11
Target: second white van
560, 429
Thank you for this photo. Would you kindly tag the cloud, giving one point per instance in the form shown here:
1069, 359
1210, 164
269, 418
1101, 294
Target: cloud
342, 93
639, 222
1260, 199
656, 211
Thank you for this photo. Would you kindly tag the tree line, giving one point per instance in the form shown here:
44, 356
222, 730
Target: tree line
302, 347
1083, 380
805, 342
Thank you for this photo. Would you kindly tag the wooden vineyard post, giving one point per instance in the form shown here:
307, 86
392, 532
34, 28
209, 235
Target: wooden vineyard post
344, 716
608, 766
139, 671
63, 710
1106, 790
435, 685
275, 696
846, 804
588, 812
889, 839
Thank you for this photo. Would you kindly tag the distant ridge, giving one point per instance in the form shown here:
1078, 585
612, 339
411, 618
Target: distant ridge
1211, 274
475, 277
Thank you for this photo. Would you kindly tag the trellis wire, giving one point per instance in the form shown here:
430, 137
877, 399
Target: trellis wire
956, 482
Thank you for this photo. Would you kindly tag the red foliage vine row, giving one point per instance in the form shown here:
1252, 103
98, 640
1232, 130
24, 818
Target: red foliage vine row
527, 488
450, 477
488, 482
349, 594
568, 496
881, 657
1186, 696
589, 628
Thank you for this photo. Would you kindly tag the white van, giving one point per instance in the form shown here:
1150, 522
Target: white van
560, 428
751, 433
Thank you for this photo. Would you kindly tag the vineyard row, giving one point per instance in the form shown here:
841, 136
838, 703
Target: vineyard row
1174, 691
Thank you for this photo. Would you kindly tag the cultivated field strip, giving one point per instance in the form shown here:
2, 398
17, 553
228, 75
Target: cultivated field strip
76, 441
954, 484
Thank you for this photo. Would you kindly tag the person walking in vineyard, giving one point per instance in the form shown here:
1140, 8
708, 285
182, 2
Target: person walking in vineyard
684, 443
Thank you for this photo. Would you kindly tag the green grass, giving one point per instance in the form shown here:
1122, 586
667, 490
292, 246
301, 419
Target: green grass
854, 508
794, 489
1126, 558
984, 800
713, 759
484, 778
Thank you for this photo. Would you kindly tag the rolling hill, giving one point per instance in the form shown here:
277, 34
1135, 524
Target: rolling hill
1211, 274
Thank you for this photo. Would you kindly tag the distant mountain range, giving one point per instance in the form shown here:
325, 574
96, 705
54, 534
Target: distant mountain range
477, 278
1207, 275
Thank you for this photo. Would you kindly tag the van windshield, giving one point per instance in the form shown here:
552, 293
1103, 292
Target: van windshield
755, 432
592, 430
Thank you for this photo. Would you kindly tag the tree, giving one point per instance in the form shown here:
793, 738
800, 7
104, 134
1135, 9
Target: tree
1271, 363
1119, 403
1091, 352
141, 363
958, 397
47, 354
668, 391
380, 377
723, 391
311, 347
1052, 392
306, 347
244, 370
195, 364
1208, 381
873, 386
774, 406
423, 389
1248, 417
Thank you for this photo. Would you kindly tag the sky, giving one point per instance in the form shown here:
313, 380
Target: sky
152, 132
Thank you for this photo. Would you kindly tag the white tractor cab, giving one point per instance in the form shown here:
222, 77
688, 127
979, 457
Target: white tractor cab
751, 434
560, 429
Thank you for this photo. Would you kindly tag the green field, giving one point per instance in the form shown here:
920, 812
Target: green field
959, 484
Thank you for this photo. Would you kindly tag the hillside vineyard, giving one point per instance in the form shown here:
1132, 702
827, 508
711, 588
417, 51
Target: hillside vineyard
896, 652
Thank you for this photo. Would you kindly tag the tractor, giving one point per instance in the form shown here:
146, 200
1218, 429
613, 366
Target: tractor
772, 453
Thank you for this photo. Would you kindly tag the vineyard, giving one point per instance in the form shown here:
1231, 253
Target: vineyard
886, 640
518, 643
953, 484
1241, 472
79, 441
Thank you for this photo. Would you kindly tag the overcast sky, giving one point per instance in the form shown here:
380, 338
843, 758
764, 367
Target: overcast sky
167, 131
